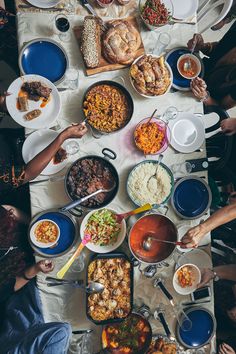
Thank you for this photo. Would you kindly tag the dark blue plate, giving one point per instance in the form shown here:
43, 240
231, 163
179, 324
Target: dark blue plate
191, 197
203, 328
67, 233
44, 57
179, 82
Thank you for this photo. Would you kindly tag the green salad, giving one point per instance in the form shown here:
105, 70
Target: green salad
103, 227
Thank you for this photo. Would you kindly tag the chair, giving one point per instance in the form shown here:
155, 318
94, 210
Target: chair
210, 13
220, 150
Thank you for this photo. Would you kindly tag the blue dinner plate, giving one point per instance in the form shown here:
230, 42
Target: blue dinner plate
191, 197
44, 57
203, 328
179, 82
67, 233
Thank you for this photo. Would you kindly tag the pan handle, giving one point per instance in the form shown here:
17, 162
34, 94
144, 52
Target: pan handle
158, 283
111, 155
76, 212
164, 323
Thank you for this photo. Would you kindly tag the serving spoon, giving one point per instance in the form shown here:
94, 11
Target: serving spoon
91, 288
145, 207
187, 64
157, 166
81, 200
147, 243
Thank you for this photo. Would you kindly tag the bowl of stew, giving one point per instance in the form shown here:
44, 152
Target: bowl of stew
44, 233
194, 68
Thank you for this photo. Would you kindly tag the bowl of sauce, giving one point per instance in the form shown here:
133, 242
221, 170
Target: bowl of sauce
189, 66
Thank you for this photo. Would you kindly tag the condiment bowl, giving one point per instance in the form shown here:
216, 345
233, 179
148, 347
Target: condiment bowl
169, 6
36, 241
195, 275
195, 66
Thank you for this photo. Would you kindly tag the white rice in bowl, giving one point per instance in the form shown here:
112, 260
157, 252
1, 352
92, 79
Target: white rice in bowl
145, 185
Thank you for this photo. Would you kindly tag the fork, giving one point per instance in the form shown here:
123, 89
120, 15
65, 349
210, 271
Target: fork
85, 3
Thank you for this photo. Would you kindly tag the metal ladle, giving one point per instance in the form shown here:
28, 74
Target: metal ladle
81, 200
91, 288
147, 243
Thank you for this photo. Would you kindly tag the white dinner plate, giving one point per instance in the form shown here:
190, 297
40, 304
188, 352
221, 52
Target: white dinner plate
184, 9
49, 113
197, 257
187, 132
44, 4
35, 143
103, 249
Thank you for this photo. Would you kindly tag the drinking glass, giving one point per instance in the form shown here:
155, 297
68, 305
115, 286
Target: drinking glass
62, 26
70, 6
78, 265
181, 169
170, 113
162, 42
87, 345
72, 78
71, 147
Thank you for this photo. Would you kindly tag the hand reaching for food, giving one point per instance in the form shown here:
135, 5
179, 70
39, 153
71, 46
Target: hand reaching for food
206, 275
194, 235
226, 349
228, 126
198, 87
75, 131
198, 41
45, 266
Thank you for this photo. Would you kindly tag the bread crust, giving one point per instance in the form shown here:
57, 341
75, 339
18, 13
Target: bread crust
121, 42
91, 42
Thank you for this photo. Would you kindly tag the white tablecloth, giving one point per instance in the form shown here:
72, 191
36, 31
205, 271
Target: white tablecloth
67, 303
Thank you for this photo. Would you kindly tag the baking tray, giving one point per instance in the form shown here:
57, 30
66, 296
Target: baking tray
110, 256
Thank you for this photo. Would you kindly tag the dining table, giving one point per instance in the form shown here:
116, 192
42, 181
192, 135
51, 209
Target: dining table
68, 303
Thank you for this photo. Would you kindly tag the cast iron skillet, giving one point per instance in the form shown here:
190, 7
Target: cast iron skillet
108, 154
128, 98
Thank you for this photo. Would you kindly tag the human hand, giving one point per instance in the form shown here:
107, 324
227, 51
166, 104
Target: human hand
232, 198
199, 88
206, 275
232, 314
3, 107
197, 40
225, 349
228, 126
45, 266
75, 131
194, 235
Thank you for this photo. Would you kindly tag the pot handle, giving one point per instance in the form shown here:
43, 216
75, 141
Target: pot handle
165, 208
164, 323
76, 212
158, 283
111, 155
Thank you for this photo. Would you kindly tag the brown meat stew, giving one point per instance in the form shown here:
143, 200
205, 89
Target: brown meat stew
87, 176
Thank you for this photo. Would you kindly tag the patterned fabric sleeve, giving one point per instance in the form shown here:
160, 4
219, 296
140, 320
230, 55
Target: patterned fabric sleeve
11, 176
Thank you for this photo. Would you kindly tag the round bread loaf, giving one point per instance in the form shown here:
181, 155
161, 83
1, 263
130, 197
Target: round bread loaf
121, 42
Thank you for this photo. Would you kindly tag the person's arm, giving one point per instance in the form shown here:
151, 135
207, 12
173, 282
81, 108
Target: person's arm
200, 45
220, 217
44, 266
19, 215
40, 161
226, 272
228, 126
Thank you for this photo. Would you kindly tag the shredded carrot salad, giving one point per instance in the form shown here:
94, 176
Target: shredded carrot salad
149, 137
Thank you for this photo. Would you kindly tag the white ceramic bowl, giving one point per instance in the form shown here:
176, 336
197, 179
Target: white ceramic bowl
188, 289
103, 249
195, 59
170, 72
42, 244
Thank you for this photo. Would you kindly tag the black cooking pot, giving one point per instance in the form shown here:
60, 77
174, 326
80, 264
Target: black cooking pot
97, 133
108, 155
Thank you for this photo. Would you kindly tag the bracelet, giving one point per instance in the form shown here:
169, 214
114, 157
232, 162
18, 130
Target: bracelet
215, 276
205, 98
25, 277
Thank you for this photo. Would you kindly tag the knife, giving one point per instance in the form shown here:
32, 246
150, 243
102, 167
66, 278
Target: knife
83, 331
22, 6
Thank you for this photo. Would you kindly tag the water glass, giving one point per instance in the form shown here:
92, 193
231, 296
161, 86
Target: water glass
170, 113
70, 6
162, 42
61, 27
78, 265
87, 345
72, 78
181, 169
71, 147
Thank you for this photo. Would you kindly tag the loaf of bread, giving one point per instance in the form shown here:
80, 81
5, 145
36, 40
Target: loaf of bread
91, 42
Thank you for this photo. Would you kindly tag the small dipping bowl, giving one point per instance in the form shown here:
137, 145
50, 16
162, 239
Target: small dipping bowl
196, 66
103, 4
196, 274
39, 243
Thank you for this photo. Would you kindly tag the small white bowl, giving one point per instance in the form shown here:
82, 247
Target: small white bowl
189, 289
195, 59
103, 249
42, 244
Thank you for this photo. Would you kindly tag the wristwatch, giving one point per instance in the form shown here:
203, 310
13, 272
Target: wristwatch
215, 276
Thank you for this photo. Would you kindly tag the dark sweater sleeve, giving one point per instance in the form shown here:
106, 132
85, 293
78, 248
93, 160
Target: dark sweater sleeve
7, 289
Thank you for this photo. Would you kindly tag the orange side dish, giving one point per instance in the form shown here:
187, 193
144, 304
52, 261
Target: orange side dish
149, 137
46, 232
185, 277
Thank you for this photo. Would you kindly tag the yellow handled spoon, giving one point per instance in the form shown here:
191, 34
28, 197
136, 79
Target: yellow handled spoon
68, 264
